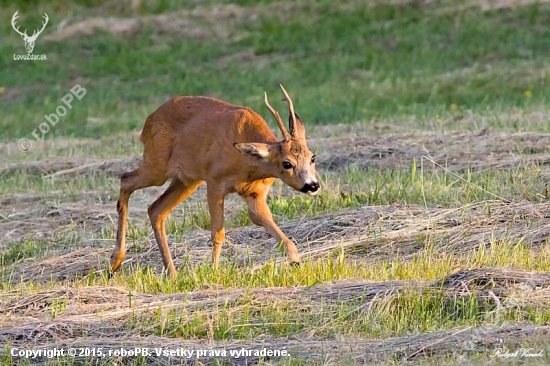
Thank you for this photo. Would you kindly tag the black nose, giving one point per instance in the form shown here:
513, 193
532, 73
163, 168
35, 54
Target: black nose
310, 187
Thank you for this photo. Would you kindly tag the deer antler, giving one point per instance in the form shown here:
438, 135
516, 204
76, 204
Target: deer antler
24, 34
277, 118
15, 16
291, 110
43, 26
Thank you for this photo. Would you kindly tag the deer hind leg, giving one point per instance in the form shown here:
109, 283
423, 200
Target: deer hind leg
130, 182
176, 193
259, 213
215, 207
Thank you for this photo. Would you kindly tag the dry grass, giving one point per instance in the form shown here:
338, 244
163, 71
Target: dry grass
54, 306
92, 316
220, 21
368, 234
447, 282
456, 151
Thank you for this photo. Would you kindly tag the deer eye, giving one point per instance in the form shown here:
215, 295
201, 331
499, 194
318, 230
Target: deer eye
313, 159
287, 165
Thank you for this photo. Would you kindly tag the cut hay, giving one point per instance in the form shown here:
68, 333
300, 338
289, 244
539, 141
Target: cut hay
95, 317
369, 234
73, 167
475, 150
478, 150
452, 343
74, 231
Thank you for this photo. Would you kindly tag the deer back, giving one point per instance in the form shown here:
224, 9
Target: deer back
197, 134
201, 138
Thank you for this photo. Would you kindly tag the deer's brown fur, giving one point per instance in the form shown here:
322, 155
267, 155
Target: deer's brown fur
192, 140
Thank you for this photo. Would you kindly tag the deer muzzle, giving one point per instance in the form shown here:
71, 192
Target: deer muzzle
310, 188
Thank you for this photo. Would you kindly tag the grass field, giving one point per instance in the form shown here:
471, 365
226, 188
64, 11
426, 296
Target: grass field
427, 245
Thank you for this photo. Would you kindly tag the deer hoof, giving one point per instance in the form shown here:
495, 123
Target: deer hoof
295, 264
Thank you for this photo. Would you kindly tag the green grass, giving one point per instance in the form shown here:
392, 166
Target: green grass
442, 66
408, 312
23, 249
350, 188
428, 263
398, 63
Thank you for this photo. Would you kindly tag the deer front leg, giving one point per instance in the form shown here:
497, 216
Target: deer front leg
259, 213
119, 251
215, 206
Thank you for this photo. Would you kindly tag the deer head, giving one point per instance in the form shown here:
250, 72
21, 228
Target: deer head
293, 162
29, 41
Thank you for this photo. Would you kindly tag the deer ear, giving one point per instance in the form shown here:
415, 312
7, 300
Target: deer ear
298, 131
254, 150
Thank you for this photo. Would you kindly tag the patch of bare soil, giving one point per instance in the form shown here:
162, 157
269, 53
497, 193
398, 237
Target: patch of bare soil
96, 316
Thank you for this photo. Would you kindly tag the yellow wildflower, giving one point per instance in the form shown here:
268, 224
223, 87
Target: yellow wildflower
528, 93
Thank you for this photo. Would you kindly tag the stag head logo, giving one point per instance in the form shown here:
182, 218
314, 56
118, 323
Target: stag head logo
29, 40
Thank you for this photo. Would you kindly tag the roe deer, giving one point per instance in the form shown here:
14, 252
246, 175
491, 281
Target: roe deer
193, 140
